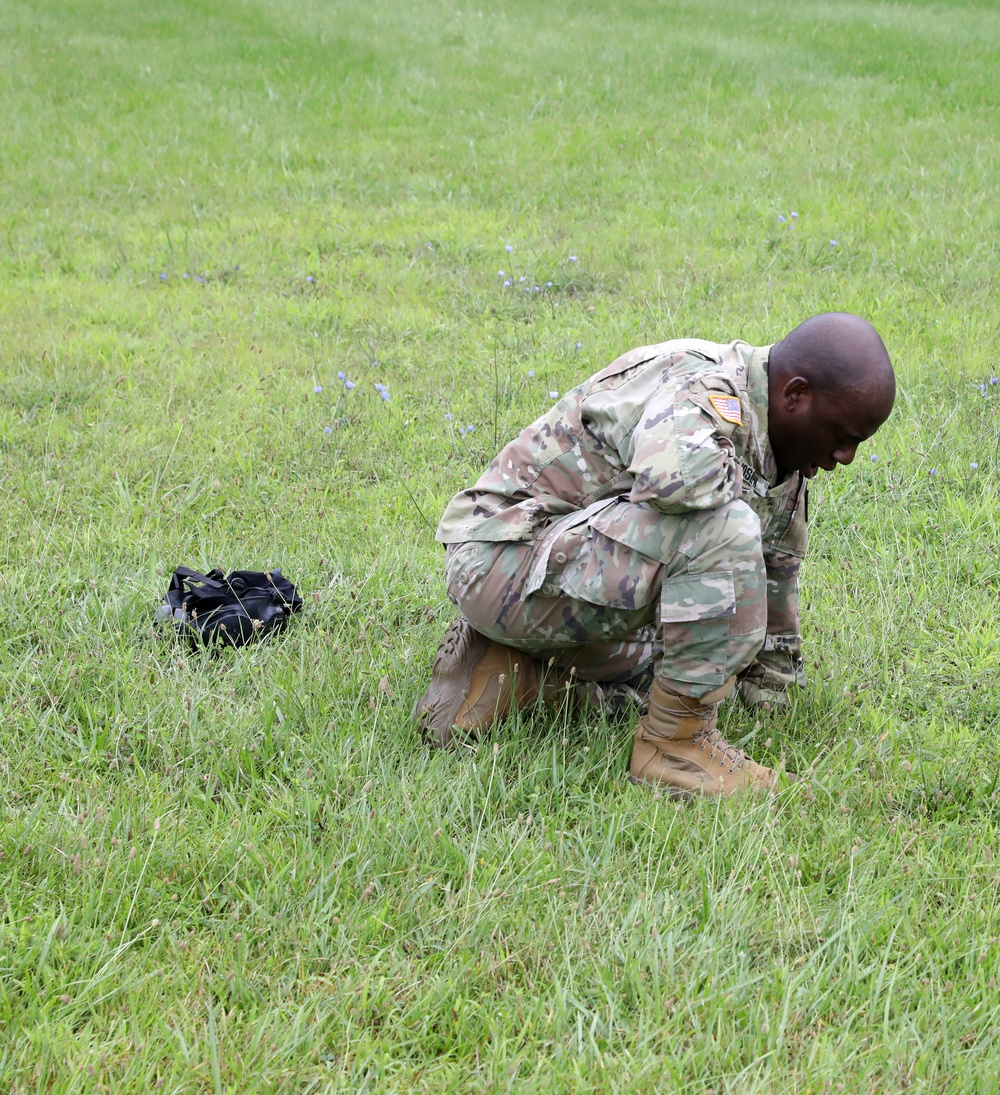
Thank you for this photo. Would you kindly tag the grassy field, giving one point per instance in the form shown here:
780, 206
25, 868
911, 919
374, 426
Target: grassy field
242, 873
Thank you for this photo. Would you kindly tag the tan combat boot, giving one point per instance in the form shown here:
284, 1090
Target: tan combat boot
678, 746
475, 682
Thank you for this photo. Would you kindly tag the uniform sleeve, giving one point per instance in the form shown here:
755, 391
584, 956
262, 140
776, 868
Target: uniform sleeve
680, 453
779, 663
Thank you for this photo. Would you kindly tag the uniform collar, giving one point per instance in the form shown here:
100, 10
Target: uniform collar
759, 453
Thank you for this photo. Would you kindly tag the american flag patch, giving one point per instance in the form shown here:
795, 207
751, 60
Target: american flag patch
728, 408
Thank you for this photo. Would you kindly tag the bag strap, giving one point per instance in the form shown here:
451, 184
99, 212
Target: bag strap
186, 580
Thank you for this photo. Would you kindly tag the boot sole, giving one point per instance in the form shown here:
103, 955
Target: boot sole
460, 642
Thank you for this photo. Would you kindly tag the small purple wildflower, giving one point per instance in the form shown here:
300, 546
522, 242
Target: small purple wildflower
781, 218
553, 395
383, 391
982, 388
317, 388
350, 385
470, 429
531, 374
509, 248
974, 466
501, 274
794, 214
995, 379
184, 275
573, 258
874, 457
521, 279
310, 279
506, 284
579, 345
163, 277
448, 415
933, 471
328, 429
199, 280
548, 285
430, 246
341, 376
833, 243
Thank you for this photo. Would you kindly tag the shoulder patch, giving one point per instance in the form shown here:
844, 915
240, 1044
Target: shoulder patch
727, 407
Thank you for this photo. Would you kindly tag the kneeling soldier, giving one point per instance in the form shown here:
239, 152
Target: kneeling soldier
647, 533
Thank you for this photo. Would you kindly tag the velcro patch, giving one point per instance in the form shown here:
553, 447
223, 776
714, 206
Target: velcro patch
728, 408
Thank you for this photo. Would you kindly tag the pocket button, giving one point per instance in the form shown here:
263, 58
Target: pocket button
560, 556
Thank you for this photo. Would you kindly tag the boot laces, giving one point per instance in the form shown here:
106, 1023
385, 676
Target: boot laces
730, 756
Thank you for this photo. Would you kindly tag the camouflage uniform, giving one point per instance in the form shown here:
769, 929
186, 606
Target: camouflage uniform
639, 523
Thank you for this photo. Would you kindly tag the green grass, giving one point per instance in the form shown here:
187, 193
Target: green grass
243, 873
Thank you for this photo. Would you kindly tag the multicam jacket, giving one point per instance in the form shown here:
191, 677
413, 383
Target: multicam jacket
680, 426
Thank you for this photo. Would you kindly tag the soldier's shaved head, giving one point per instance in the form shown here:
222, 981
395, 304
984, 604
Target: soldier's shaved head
830, 387
836, 350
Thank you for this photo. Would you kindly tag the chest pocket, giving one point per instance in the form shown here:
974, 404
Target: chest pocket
782, 517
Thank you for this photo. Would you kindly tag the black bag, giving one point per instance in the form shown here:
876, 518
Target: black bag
211, 608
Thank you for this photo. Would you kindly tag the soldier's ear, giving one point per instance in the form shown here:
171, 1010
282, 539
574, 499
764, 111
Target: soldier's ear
796, 395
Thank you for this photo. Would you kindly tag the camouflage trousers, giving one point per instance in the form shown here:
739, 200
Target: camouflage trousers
695, 608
